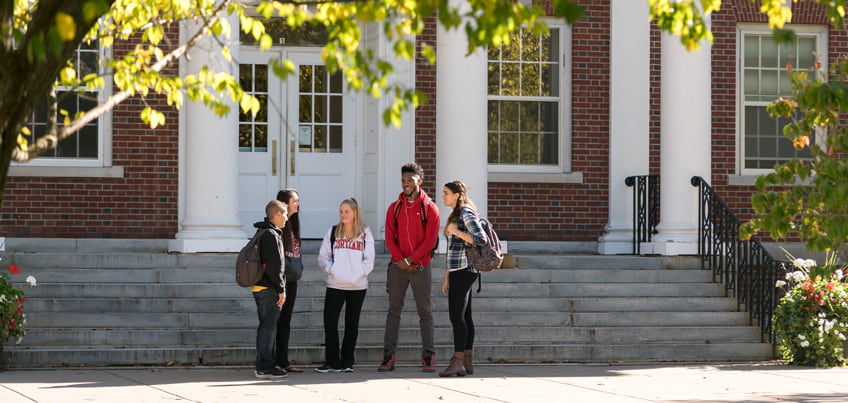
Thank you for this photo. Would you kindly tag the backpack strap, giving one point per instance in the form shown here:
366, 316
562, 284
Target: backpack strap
333, 241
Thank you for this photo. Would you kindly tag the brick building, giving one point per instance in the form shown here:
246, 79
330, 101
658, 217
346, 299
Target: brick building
544, 132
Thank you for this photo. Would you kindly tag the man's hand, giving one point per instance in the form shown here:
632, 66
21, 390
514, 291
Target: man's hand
281, 300
406, 266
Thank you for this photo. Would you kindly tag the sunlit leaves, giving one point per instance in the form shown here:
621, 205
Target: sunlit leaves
152, 117
66, 27
809, 197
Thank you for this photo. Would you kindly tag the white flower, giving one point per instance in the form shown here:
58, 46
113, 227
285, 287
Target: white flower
838, 274
31, 281
805, 343
2, 298
802, 337
799, 263
809, 263
780, 283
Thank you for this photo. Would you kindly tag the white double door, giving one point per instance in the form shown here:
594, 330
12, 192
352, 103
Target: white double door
304, 137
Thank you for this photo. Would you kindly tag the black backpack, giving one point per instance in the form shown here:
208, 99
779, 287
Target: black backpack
249, 268
423, 221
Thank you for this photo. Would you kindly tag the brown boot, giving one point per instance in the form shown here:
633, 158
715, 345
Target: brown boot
455, 367
466, 361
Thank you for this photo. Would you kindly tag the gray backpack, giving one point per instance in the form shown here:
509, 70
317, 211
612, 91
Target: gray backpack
249, 267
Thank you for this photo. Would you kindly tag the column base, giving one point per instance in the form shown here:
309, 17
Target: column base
672, 247
616, 242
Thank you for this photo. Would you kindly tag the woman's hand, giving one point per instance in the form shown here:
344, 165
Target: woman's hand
445, 284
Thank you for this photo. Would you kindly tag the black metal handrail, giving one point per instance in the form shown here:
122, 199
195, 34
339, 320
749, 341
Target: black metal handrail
646, 208
746, 269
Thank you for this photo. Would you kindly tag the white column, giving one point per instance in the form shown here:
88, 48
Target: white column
629, 119
210, 220
685, 144
461, 138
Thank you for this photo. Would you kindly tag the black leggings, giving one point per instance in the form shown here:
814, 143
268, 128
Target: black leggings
459, 307
284, 325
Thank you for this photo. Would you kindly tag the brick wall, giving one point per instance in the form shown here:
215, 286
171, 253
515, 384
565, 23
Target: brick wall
569, 212
142, 204
724, 90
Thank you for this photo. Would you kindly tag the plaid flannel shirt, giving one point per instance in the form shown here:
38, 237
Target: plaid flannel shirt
467, 222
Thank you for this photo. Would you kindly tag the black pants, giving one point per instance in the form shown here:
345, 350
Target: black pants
281, 351
333, 302
459, 307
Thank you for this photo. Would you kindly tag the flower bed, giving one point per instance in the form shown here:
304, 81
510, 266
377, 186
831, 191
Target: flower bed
811, 321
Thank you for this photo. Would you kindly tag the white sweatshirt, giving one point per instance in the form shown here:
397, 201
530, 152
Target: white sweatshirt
348, 263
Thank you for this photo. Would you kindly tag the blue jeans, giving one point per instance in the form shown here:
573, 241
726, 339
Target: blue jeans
269, 312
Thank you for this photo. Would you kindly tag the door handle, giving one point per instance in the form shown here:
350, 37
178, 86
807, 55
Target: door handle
274, 158
292, 151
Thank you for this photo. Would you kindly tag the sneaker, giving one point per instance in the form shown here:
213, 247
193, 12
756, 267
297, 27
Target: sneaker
273, 373
326, 368
348, 369
428, 362
388, 363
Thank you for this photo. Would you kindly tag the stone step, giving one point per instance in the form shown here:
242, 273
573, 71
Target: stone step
550, 353
219, 290
373, 336
482, 303
248, 320
123, 260
317, 276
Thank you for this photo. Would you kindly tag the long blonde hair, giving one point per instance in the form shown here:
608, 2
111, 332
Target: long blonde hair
358, 224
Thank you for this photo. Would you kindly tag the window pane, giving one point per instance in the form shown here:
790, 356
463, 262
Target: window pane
494, 118
320, 79
529, 148
320, 139
510, 79
769, 52
305, 109
336, 109
246, 77
752, 51
88, 142
336, 139
305, 79
261, 138
806, 50
261, 78
336, 83
550, 149
529, 118
67, 148
320, 113
510, 112
493, 148
262, 115
245, 137
530, 79
494, 78
509, 148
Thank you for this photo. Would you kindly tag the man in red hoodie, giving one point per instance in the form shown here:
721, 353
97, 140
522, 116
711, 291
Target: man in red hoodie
412, 232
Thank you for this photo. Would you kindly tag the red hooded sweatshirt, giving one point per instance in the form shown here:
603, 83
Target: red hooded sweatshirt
406, 236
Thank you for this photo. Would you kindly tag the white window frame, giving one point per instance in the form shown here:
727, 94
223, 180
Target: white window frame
819, 31
564, 123
104, 140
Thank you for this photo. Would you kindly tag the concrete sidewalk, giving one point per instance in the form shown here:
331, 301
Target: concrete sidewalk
748, 382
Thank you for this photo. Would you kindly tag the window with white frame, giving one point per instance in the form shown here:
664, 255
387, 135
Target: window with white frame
764, 78
85, 148
528, 100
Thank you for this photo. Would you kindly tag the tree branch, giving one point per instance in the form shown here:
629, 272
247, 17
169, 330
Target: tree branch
53, 137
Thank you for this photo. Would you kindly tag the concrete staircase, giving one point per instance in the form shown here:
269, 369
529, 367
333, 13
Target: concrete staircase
136, 307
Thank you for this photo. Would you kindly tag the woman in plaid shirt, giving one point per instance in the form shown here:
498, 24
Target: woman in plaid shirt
463, 228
